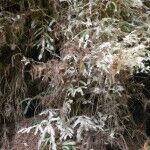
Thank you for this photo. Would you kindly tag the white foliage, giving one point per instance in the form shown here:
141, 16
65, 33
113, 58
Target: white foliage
136, 3
74, 90
75, 127
66, 132
84, 123
67, 107
107, 58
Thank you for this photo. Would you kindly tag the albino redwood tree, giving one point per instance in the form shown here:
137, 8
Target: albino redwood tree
76, 58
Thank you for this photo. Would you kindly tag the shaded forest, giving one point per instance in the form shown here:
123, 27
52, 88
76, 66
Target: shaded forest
74, 74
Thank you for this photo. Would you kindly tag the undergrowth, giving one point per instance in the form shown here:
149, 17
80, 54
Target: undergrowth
86, 86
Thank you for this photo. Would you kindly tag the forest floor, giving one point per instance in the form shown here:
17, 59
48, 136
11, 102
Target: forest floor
29, 141
19, 141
